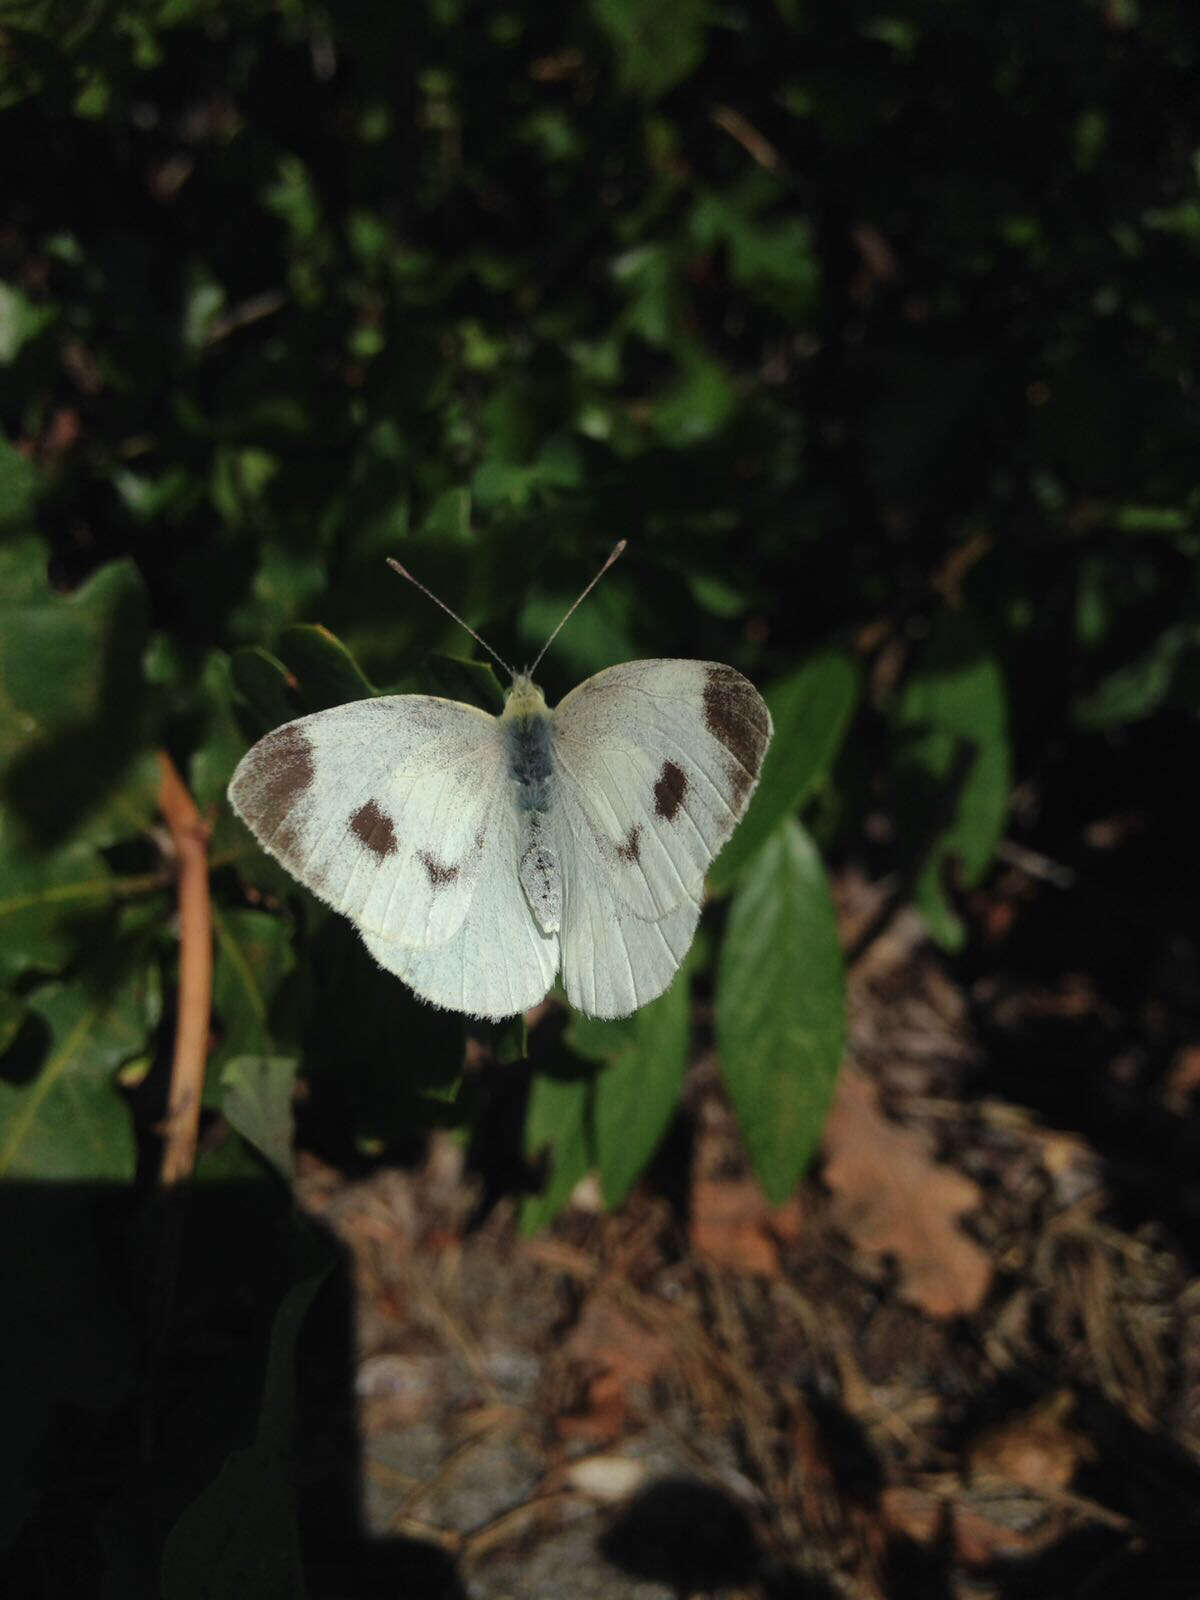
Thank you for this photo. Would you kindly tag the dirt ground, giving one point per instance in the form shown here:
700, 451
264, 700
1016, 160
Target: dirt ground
963, 1361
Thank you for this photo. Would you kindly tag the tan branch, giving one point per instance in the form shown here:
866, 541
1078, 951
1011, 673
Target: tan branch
189, 834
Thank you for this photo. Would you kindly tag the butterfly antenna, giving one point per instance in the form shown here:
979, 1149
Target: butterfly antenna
613, 554
405, 573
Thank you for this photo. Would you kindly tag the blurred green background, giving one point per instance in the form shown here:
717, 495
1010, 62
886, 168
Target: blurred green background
872, 330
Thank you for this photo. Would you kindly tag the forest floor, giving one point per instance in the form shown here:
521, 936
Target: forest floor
963, 1360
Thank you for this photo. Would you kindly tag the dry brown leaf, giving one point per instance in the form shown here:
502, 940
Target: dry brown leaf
730, 1225
892, 1198
1035, 1449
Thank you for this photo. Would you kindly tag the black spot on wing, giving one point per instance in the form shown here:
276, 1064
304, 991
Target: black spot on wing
374, 828
670, 791
441, 873
278, 772
738, 719
630, 847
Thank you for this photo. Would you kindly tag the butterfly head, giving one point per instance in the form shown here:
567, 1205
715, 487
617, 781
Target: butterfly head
524, 699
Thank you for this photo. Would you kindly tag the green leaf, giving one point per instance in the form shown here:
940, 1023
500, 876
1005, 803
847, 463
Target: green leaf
256, 1097
241, 1536
19, 480
252, 958
954, 712
67, 1119
456, 679
13, 1016
20, 322
1137, 689
41, 894
71, 690
656, 46
637, 1093
448, 520
812, 710
556, 1125
265, 685
326, 672
780, 1006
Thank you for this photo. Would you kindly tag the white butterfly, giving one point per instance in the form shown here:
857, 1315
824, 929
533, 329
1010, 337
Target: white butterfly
477, 855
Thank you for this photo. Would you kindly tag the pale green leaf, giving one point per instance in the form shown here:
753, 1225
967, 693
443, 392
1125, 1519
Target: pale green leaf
780, 1006
256, 1097
556, 1127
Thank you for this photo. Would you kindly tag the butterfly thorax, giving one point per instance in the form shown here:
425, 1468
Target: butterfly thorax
526, 722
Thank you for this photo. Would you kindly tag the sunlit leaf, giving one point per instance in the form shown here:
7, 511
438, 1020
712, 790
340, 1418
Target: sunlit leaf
637, 1091
556, 1131
256, 1097
780, 1006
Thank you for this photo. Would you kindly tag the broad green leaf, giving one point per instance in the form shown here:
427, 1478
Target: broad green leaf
656, 46
326, 672
955, 713
637, 1092
219, 746
448, 520
241, 1536
811, 710
19, 481
781, 1007
42, 894
265, 685
256, 1097
51, 899
556, 1126
474, 682
20, 321
253, 955
68, 1120
24, 558
71, 693
13, 1015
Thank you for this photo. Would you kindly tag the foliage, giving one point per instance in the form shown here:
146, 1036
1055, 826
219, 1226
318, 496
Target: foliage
871, 333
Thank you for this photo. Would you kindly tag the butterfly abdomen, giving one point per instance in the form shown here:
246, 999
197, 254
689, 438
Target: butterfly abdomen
531, 768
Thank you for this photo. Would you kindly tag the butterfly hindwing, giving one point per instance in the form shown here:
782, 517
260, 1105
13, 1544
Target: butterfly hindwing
499, 962
382, 808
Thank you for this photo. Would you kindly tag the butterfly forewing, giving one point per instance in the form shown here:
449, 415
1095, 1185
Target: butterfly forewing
655, 763
382, 807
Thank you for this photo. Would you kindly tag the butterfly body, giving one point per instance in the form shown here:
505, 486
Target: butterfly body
478, 856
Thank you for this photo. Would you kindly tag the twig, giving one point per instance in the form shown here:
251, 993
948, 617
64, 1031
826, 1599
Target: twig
189, 833
756, 146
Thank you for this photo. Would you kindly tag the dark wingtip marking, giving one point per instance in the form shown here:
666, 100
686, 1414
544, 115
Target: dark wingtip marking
670, 791
374, 828
440, 873
630, 847
737, 717
280, 770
